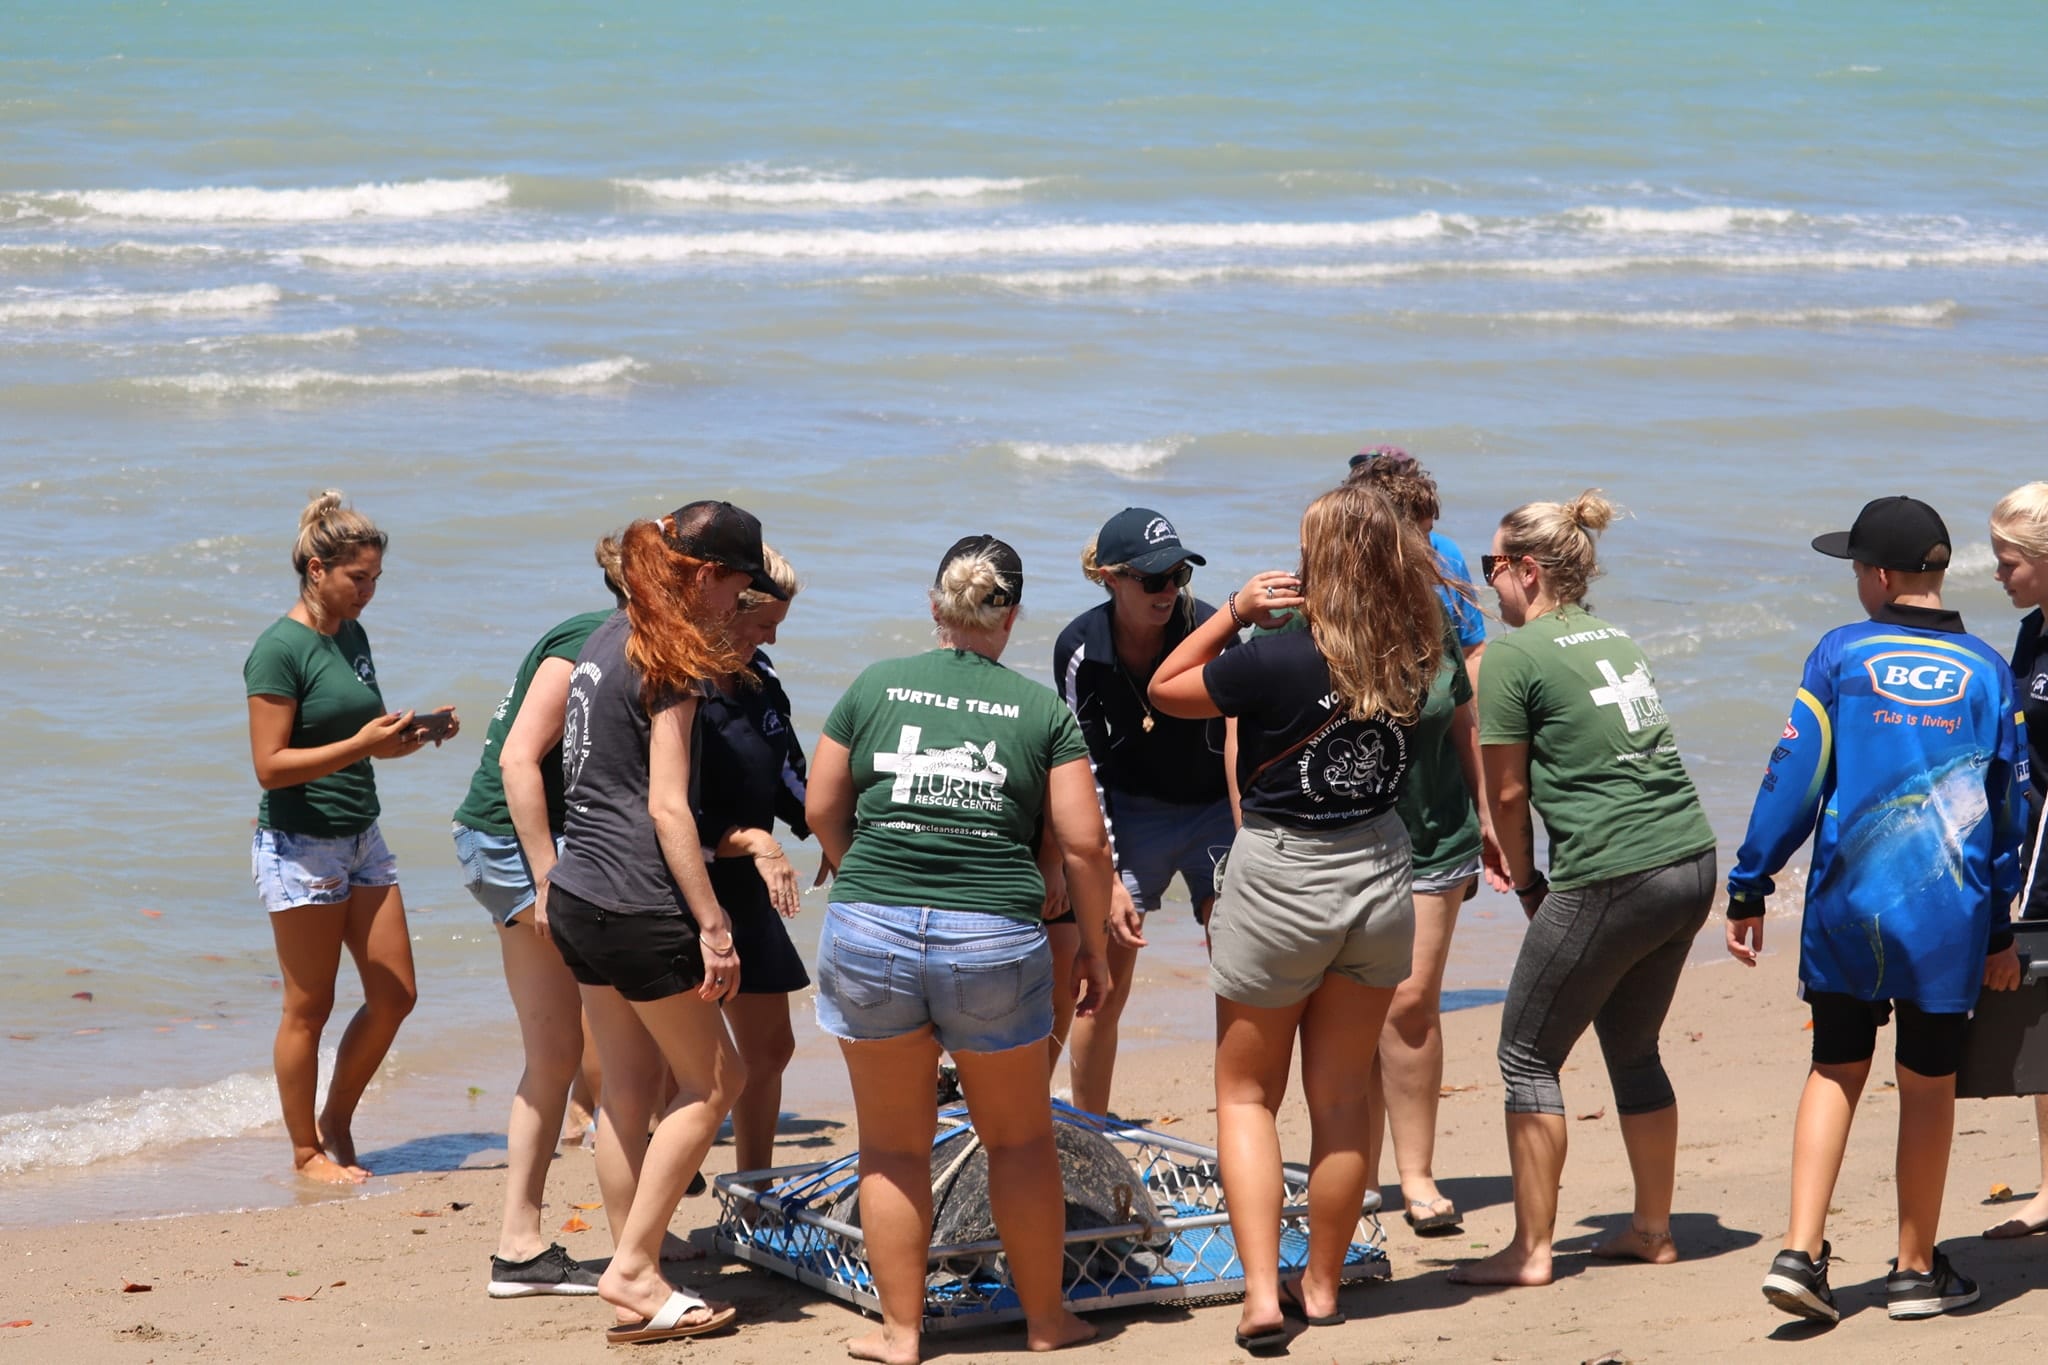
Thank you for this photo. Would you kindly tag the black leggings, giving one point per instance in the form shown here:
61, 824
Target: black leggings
1608, 955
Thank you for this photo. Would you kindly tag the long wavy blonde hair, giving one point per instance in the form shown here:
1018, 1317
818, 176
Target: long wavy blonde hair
1370, 579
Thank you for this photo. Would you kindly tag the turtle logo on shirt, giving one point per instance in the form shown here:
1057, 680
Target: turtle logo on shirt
366, 673
965, 777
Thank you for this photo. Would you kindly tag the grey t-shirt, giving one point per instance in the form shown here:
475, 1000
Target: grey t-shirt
611, 856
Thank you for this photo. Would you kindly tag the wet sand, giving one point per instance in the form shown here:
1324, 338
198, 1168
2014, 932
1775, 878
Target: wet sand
378, 1279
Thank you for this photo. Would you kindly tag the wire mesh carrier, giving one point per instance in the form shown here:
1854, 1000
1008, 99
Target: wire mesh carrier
1187, 1253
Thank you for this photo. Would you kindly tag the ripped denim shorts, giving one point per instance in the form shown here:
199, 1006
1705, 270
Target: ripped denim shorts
292, 870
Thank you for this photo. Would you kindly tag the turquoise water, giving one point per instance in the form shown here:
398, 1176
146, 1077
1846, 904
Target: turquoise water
510, 274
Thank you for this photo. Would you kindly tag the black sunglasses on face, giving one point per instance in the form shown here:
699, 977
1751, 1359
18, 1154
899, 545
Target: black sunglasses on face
1177, 577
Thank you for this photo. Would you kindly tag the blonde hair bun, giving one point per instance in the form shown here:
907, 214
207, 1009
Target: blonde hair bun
1590, 511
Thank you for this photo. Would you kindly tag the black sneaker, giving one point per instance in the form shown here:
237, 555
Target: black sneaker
551, 1272
1798, 1285
1911, 1294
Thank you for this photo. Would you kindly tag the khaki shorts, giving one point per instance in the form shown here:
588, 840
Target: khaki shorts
1295, 905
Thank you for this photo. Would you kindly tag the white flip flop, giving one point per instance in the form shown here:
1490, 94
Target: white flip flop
667, 1323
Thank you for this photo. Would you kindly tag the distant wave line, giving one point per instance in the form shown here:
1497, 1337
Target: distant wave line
70, 307
220, 384
1078, 239
1367, 272
248, 203
1902, 314
717, 189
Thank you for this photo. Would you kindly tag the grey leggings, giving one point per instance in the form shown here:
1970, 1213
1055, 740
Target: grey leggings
1609, 955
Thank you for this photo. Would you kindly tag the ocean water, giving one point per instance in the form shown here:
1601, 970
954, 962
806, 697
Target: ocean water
512, 274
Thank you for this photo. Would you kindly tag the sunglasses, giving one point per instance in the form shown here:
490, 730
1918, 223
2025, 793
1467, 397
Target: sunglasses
1489, 565
1176, 577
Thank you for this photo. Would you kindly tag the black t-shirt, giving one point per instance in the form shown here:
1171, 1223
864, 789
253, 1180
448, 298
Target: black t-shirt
752, 765
1301, 761
1178, 761
611, 856
2030, 671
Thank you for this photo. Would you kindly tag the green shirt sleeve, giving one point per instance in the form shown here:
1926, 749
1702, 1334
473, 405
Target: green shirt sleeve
1504, 686
1067, 743
1461, 681
844, 721
271, 670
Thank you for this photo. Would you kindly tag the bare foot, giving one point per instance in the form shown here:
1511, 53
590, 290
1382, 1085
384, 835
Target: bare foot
674, 1248
637, 1297
1064, 1330
328, 1171
885, 1345
577, 1126
338, 1142
1634, 1244
2030, 1218
1510, 1266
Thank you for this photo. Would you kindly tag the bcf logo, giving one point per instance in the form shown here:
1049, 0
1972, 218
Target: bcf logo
1914, 679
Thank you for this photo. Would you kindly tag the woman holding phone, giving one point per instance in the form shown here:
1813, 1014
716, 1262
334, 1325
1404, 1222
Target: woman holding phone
316, 720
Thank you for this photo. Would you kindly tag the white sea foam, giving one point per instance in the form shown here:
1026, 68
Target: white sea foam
73, 1135
1118, 458
249, 204
1703, 218
67, 253
1973, 559
240, 298
741, 190
1073, 239
326, 336
1367, 272
1896, 315
219, 384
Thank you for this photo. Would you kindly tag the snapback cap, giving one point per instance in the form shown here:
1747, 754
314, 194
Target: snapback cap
1143, 541
727, 536
1897, 533
1009, 568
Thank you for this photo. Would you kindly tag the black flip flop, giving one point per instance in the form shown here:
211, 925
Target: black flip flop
1292, 1306
1264, 1341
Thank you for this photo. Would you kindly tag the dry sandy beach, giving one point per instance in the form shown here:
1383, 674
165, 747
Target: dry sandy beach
401, 1275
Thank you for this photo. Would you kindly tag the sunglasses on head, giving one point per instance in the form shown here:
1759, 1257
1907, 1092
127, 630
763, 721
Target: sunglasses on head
1176, 577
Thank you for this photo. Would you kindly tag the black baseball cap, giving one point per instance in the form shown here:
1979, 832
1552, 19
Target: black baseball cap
727, 536
1009, 567
1899, 533
1143, 540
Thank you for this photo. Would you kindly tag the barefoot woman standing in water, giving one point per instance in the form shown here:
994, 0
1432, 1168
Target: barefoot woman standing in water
316, 719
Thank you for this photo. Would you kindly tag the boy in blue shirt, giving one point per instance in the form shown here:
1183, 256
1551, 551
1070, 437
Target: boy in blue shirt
1906, 759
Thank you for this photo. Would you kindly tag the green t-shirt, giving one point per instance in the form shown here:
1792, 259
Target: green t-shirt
1436, 805
950, 752
484, 808
334, 683
1604, 771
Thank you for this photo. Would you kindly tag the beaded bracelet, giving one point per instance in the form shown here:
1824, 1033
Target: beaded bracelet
1235, 615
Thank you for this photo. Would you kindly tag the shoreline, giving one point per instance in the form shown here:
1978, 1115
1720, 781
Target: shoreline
440, 1103
404, 1273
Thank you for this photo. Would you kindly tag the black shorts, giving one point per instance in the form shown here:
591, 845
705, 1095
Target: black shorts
641, 956
1845, 1031
769, 962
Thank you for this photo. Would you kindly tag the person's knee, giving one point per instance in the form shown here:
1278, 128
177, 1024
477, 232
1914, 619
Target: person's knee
392, 998
308, 1010
1531, 1082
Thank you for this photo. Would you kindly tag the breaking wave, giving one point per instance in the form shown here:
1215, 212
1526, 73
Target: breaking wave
218, 384
250, 204
239, 298
739, 190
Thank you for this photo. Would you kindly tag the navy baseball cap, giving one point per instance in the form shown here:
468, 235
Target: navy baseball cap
1898, 533
1009, 567
1142, 540
727, 536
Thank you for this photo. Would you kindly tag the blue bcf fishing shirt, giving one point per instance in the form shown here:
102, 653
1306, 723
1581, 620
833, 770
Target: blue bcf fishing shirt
1905, 758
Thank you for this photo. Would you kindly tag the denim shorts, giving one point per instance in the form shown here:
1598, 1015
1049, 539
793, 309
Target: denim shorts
494, 870
292, 870
1155, 839
982, 982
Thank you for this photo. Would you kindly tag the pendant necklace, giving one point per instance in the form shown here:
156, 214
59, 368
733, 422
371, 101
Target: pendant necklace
1136, 695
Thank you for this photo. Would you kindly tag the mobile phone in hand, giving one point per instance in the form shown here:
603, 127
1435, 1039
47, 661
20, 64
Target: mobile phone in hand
430, 725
